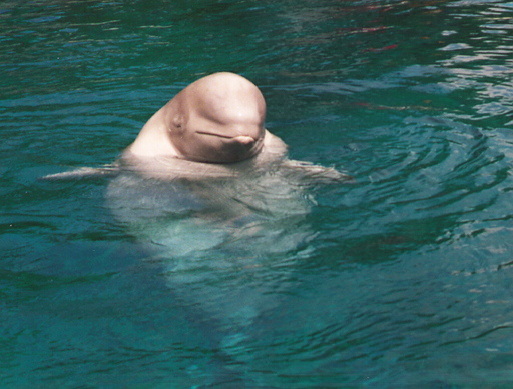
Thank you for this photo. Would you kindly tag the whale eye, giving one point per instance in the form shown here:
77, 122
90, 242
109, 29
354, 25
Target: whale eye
177, 121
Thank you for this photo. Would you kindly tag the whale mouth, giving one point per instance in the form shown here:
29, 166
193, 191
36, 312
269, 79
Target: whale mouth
236, 137
213, 134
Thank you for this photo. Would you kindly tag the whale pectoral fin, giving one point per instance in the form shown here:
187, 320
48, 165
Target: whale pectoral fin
316, 174
84, 173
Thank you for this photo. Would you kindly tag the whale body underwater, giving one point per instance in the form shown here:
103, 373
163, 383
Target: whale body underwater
214, 214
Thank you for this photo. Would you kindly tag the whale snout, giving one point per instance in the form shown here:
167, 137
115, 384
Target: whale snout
244, 140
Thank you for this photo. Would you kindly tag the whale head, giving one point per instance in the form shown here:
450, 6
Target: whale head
219, 118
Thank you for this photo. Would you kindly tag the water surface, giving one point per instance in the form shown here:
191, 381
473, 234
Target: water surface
402, 278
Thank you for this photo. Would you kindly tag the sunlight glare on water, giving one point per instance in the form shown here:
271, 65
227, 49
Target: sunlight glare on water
401, 278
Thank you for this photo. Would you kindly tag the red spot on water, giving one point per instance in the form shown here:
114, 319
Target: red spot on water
380, 49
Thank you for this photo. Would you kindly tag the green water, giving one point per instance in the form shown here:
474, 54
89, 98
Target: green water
401, 279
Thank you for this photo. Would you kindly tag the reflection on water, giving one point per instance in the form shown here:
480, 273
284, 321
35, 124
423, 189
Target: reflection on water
402, 278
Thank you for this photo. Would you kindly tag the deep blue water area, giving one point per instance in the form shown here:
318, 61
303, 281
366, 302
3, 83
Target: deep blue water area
401, 278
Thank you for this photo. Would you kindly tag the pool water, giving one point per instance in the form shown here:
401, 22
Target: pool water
401, 278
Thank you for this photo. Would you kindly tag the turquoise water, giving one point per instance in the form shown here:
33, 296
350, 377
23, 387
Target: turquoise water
400, 279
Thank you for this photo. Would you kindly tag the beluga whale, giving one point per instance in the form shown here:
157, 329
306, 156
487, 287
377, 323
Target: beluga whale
212, 195
207, 154
226, 169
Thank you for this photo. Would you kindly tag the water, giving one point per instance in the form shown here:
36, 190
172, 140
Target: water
400, 279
